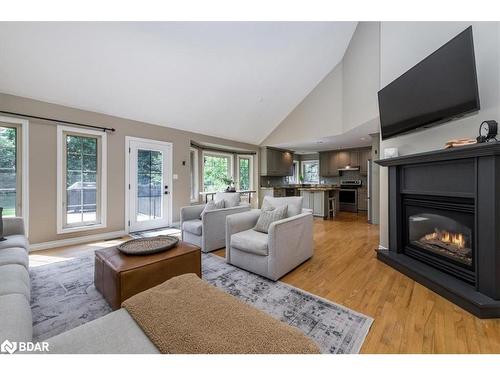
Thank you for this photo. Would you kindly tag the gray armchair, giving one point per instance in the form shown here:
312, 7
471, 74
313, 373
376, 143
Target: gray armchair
288, 243
209, 231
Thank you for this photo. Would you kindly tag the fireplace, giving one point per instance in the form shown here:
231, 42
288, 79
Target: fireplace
441, 234
444, 215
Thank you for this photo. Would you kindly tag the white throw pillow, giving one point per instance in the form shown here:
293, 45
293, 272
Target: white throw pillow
211, 206
269, 216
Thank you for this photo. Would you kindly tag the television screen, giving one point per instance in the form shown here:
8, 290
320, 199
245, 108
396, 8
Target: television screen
440, 88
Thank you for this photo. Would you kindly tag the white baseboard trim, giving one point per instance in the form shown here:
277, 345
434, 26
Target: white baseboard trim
76, 240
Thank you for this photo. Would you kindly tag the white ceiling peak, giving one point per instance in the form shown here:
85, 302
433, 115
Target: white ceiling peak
235, 80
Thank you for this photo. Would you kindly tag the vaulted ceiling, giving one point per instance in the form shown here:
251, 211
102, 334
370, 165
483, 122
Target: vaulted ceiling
236, 80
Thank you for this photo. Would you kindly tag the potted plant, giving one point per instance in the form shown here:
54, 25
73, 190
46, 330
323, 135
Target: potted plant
230, 184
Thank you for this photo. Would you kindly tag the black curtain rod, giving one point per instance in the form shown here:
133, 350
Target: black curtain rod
61, 121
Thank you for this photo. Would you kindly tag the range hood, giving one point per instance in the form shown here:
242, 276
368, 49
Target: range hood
349, 168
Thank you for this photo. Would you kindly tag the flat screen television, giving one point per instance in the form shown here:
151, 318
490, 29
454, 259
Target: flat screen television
440, 88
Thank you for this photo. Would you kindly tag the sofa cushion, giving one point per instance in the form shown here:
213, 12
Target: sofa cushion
14, 255
16, 322
212, 205
16, 240
115, 333
230, 199
294, 204
250, 241
193, 226
268, 216
14, 279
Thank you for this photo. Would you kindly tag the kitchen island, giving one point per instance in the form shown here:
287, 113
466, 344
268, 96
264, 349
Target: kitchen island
316, 199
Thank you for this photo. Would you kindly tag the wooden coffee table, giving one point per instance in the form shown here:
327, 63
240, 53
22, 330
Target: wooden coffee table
119, 276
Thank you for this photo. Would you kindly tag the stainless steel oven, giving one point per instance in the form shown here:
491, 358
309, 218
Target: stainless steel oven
348, 200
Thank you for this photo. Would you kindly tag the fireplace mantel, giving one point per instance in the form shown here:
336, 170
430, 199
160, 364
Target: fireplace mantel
462, 152
469, 174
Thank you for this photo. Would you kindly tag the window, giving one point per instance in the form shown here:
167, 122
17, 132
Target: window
217, 171
310, 171
149, 185
193, 170
10, 176
81, 179
245, 172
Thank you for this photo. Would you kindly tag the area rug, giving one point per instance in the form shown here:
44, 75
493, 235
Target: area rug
64, 297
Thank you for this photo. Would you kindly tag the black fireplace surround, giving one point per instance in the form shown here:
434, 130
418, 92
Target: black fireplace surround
444, 223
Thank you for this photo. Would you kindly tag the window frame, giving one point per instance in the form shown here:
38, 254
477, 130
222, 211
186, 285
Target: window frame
195, 173
101, 178
303, 165
22, 166
220, 154
250, 170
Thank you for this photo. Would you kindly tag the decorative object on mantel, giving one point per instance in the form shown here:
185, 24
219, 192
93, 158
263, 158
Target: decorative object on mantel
460, 142
488, 131
391, 152
151, 245
2, 238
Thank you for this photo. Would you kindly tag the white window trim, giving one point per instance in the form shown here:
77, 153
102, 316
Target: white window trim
60, 191
250, 169
196, 174
216, 153
24, 125
307, 162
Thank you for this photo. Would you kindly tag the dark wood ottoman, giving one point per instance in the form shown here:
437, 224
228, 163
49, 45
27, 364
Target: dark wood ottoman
118, 276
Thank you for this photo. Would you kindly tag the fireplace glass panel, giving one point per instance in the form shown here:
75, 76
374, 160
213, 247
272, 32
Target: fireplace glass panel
441, 235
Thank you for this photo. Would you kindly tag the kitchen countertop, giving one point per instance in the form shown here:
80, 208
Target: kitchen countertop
320, 188
305, 188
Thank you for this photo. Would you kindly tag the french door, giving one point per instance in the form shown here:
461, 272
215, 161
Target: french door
149, 184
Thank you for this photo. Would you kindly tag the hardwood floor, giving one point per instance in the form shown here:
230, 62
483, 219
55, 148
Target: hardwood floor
409, 318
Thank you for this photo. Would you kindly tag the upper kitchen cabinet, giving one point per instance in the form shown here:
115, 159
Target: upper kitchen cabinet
353, 158
364, 156
331, 161
343, 158
276, 162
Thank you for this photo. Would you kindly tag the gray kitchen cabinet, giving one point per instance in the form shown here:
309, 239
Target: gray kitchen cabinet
343, 158
276, 162
364, 156
333, 164
354, 158
318, 198
362, 200
306, 200
315, 201
324, 164
328, 166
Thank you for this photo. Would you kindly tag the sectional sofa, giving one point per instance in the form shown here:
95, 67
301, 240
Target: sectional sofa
15, 312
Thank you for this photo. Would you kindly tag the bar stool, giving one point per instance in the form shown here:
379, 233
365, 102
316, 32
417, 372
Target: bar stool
331, 207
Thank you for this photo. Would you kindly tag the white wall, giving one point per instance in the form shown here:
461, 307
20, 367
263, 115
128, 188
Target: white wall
361, 78
345, 99
317, 116
403, 44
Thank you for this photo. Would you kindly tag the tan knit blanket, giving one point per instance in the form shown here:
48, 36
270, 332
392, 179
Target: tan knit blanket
187, 315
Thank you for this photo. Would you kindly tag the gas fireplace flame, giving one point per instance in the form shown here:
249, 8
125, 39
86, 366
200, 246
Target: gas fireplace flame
457, 239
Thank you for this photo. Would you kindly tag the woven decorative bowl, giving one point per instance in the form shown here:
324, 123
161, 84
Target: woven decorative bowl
150, 245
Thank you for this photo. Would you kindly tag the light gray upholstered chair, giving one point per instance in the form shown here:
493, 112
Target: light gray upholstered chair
209, 231
288, 243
